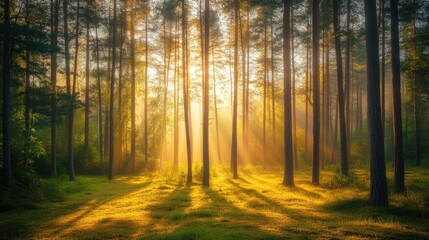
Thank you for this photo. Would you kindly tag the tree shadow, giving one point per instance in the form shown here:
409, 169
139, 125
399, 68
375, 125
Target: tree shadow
47, 219
107, 229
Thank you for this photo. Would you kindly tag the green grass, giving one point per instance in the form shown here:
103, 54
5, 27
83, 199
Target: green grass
255, 206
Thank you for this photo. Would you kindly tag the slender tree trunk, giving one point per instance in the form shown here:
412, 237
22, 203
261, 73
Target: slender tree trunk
264, 130
273, 85
54, 42
234, 114
7, 172
378, 192
383, 67
100, 106
120, 136
316, 94
133, 88
112, 96
416, 91
347, 80
243, 75
176, 79
186, 87
341, 103
398, 159
246, 130
295, 138
68, 83
146, 51
307, 64
206, 168
327, 97
86, 137
288, 172
215, 106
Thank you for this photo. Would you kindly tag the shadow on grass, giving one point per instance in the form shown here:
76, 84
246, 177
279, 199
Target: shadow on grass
107, 229
24, 223
218, 219
363, 207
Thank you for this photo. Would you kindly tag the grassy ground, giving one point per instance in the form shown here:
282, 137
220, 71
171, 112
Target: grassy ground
255, 206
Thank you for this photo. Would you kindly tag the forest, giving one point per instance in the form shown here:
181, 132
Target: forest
222, 119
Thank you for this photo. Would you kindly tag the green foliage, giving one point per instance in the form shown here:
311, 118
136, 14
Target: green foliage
340, 181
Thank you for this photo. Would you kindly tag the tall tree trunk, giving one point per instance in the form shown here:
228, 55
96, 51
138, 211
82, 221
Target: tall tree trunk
273, 85
133, 88
176, 79
378, 192
307, 98
234, 114
86, 138
68, 86
146, 51
295, 138
288, 172
54, 42
206, 168
341, 103
416, 94
186, 87
347, 80
100, 106
243, 75
316, 94
120, 136
112, 96
215, 107
398, 159
383, 66
73, 98
7, 172
327, 97
264, 130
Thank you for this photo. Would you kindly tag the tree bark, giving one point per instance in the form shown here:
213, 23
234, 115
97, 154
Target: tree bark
206, 167
54, 42
378, 185
316, 94
133, 89
86, 137
341, 103
112, 96
398, 175
186, 88
234, 114
288, 172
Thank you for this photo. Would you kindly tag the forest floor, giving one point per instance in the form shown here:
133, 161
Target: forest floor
254, 206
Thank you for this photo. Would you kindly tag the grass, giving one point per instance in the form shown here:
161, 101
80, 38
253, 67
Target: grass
254, 206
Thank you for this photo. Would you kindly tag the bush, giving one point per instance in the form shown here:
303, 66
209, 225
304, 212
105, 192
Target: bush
340, 181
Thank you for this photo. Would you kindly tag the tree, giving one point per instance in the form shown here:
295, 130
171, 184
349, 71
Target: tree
398, 176
288, 172
378, 188
87, 70
7, 172
316, 94
343, 134
186, 88
206, 167
71, 104
234, 114
54, 42
112, 96
133, 88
